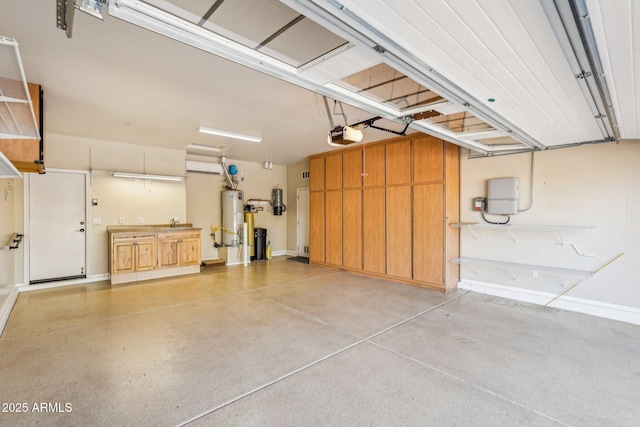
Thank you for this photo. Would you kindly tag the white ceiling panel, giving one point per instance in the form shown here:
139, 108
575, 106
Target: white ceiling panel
337, 66
616, 28
504, 50
116, 81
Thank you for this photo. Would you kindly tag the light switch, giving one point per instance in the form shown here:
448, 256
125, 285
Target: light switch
96, 221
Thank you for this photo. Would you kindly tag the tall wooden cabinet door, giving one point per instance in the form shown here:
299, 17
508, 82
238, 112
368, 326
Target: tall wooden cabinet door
316, 226
352, 169
145, 255
316, 174
333, 224
374, 247
399, 254
333, 172
373, 166
398, 163
428, 159
428, 233
352, 228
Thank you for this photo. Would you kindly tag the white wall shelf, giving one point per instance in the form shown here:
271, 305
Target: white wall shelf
561, 273
558, 231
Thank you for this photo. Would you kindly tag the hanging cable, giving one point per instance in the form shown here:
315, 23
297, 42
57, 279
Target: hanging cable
492, 222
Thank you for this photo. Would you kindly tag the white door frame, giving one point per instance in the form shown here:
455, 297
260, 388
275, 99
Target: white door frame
27, 230
298, 219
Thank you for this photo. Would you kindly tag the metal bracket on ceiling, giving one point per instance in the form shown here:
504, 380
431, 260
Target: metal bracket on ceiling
64, 15
369, 123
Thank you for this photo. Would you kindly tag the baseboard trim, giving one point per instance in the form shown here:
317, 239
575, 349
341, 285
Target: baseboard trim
290, 253
7, 306
622, 313
92, 279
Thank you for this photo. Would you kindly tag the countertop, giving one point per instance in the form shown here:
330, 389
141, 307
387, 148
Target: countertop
151, 227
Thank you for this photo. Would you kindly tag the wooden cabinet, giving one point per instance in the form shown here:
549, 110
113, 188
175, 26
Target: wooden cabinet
373, 166
316, 225
178, 249
190, 250
152, 252
398, 209
333, 172
428, 233
384, 209
374, 241
352, 169
316, 174
352, 228
398, 163
428, 161
333, 226
132, 253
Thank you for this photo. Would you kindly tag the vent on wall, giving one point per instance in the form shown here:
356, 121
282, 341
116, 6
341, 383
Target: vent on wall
305, 174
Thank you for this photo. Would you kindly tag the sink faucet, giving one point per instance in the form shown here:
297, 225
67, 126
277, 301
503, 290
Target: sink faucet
174, 222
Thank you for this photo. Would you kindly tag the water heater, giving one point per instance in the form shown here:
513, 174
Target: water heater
276, 201
232, 217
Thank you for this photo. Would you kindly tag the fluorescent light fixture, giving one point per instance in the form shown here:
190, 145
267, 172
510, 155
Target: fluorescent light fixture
203, 147
229, 134
147, 176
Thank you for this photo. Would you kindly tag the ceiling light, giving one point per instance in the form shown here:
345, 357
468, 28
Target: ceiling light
229, 134
147, 176
203, 147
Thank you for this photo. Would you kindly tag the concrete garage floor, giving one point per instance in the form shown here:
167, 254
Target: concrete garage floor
282, 343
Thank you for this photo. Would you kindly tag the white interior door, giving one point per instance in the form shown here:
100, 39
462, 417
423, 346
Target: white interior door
303, 222
58, 224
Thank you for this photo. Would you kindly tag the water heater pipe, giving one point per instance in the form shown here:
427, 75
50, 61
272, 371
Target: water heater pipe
223, 161
245, 245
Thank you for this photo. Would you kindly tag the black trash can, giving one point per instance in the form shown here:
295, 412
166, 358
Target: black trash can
260, 243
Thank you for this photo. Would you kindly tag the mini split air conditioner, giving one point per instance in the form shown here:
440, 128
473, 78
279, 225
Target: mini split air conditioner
204, 167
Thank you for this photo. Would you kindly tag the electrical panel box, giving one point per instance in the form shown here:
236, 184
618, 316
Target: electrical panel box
502, 196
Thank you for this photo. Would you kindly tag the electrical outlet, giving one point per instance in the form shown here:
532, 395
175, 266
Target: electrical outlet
121, 220
140, 219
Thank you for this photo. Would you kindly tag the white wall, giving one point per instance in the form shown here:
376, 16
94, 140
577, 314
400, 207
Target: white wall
10, 222
157, 202
204, 204
596, 185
